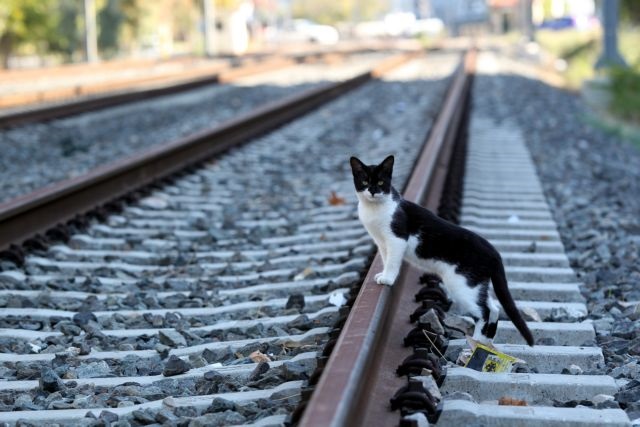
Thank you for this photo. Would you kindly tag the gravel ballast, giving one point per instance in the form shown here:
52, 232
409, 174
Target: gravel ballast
592, 182
36, 155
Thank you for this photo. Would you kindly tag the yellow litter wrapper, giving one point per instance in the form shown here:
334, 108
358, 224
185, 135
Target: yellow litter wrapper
487, 359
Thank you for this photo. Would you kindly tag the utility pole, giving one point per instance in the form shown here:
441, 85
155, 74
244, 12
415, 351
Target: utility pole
527, 20
90, 34
209, 9
610, 54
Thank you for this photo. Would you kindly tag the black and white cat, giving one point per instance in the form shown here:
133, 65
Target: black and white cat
465, 262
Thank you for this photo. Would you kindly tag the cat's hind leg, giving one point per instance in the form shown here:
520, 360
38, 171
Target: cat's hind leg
487, 325
395, 248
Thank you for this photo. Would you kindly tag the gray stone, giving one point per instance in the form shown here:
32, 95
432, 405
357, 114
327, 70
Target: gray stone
572, 370
164, 415
565, 314
175, 366
197, 361
213, 376
295, 301
220, 405
186, 412
172, 338
628, 370
143, 417
259, 370
221, 355
301, 322
50, 381
218, 419
630, 393
431, 318
83, 318
108, 417
603, 324
292, 370
163, 350
459, 322
93, 370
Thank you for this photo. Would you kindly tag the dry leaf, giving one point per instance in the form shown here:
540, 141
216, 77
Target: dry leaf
257, 357
335, 200
510, 401
303, 274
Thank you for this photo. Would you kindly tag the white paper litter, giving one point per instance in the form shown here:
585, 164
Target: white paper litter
337, 298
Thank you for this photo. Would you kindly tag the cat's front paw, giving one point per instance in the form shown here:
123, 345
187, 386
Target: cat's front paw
377, 276
385, 279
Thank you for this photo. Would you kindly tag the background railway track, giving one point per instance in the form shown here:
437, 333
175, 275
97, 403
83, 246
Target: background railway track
33, 93
62, 102
151, 314
77, 145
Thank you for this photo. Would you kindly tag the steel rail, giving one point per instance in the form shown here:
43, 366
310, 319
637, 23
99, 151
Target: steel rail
26, 216
214, 75
359, 378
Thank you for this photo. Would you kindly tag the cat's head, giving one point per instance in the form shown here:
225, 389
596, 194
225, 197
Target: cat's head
372, 182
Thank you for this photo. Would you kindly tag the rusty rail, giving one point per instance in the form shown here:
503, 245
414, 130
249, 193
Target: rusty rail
91, 97
359, 378
26, 216
103, 96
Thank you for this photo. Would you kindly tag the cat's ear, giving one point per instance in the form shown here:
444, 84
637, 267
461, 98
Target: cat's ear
356, 165
387, 165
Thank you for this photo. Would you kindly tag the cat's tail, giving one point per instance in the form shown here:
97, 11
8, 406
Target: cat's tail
501, 289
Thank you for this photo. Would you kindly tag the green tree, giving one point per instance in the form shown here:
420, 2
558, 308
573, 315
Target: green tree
25, 22
630, 11
69, 29
115, 19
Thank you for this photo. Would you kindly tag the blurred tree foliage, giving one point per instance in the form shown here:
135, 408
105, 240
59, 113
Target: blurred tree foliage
118, 23
57, 26
333, 12
69, 29
25, 21
630, 11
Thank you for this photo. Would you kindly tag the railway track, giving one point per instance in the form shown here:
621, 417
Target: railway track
60, 103
562, 382
79, 144
207, 297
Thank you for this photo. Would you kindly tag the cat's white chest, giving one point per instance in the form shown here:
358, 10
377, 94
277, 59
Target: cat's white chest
376, 218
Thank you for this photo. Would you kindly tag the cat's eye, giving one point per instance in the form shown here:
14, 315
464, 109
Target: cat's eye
365, 182
380, 182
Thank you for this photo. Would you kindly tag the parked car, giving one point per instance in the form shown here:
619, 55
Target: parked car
558, 23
